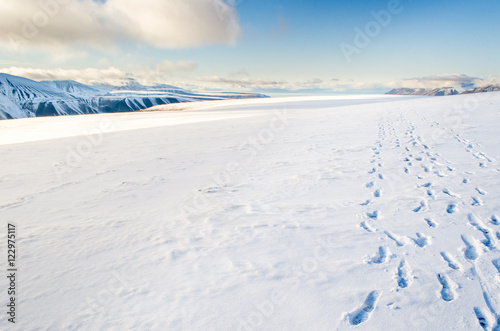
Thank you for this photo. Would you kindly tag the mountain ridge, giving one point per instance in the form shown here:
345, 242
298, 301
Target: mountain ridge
442, 90
21, 97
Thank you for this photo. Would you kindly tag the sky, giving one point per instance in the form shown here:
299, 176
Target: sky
284, 46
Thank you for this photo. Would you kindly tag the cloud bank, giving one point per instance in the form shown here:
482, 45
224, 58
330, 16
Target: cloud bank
165, 71
59, 24
337, 85
436, 81
112, 76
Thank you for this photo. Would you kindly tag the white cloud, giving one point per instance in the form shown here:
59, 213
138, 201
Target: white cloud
87, 76
113, 76
234, 83
337, 85
162, 73
244, 83
166, 72
61, 24
168, 66
334, 85
436, 81
493, 80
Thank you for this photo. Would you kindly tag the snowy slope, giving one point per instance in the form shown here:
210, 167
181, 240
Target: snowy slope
20, 89
9, 109
27, 98
338, 213
76, 89
462, 89
21, 97
426, 92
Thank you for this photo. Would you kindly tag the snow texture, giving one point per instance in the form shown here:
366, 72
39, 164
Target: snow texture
269, 214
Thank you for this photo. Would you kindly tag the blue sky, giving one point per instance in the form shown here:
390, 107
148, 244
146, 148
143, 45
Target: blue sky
257, 45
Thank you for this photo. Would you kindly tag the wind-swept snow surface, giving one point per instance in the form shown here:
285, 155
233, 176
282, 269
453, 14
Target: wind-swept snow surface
342, 213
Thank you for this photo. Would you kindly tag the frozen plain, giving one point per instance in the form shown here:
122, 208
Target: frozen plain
326, 213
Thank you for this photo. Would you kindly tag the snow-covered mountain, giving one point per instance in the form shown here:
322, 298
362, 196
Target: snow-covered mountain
21, 97
76, 89
463, 89
489, 88
422, 91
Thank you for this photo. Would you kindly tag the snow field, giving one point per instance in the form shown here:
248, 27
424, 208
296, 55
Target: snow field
329, 213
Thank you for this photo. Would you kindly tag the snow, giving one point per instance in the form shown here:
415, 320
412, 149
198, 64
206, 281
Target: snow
9, 109
23, 98
76, 89
21, 89
15, 92
338, 213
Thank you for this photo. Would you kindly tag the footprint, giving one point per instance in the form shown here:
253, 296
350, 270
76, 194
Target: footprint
367, 227
423, 206
476, 154
377, 193
376, 215
422, 240
481, 191
382, 255
483, 318
370, 184
440, 173
399, 240
427, 184
489, 159
448, 292
374, 170
363, 313
431, 223
494, 219
452, 262
405, 277
477, 201
452, 208
450, 193
466, 180
381, 176
471, 251
490, 241
366, 203
496, 263
431, 193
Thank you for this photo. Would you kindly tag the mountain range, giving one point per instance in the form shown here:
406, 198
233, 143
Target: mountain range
21, 97
443, 90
